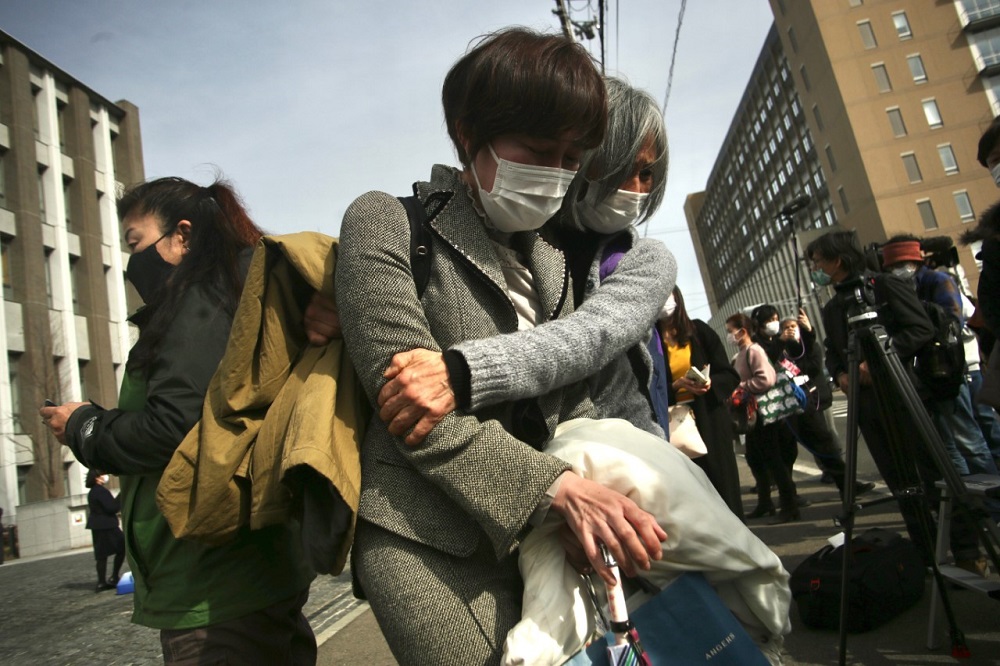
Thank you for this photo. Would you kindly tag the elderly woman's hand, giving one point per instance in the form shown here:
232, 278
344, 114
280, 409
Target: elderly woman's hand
417, 395
56, 417
597, 515
320, 320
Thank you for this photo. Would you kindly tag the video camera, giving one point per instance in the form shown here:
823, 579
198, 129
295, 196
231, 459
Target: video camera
938, 252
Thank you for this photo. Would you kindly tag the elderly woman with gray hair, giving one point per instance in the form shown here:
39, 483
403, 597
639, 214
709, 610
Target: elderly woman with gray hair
621, 283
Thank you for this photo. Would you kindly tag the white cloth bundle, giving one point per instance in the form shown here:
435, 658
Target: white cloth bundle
702, 535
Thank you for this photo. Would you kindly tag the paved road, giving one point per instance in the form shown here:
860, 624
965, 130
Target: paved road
50, 614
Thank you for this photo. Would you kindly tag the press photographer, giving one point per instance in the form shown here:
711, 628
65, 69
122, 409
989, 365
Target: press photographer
838, 259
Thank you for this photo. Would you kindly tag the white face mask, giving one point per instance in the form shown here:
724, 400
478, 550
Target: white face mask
732, 338
524, 197
104, 478
904, 271
995, 172
617, 212
772, 328
668, 308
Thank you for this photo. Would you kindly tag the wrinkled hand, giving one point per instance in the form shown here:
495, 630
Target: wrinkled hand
597, 514
417, 395
692, 386
56, 417
320, 320
574, 550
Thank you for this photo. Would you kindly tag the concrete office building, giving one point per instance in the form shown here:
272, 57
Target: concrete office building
64, 152
873, 108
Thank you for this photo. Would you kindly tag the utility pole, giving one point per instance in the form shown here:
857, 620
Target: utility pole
563, 15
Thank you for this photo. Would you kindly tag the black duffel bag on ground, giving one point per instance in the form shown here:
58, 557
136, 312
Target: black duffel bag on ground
885, 577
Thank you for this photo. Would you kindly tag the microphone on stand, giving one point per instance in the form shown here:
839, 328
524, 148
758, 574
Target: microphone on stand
796, 205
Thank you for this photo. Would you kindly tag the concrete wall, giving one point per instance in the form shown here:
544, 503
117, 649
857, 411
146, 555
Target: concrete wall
53, 526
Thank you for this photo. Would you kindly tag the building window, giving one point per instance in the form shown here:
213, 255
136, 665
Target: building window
48, 278
964, 206
68, 203
896, 122
61, 111
5, 259
881, 78
83, 381
41, 196
867, 34
854, 3
74, 279
912, 168
902, 25
932, 113
14, 374
805, 79
917, 68
792, 41
36, 117
927, 214
819, 118
3, 179
22, 483
843, 200
829, 156
948, 162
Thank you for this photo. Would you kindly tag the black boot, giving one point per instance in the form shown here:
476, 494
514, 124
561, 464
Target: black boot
764, 506
786, 514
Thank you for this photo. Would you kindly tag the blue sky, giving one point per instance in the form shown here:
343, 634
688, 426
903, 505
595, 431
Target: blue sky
306, 104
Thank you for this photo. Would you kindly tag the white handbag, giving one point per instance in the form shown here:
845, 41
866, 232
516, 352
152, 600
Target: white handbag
684, 432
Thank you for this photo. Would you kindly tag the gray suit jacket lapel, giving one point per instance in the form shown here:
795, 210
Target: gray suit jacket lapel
548, 267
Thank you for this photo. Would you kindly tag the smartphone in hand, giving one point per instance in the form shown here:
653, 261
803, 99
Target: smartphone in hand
49, 403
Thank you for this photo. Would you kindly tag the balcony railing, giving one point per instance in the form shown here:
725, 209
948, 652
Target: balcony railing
981, 14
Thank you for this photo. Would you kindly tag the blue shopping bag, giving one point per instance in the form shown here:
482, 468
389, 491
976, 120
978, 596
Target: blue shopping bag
685, 623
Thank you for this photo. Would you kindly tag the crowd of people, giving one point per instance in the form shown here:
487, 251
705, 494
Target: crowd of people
525, 317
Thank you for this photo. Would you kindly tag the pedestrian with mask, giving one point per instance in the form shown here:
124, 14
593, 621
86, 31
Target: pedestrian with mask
241, 601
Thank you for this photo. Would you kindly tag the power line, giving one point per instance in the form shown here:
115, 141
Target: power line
673, 56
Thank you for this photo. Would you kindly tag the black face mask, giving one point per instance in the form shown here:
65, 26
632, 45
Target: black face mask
148, 271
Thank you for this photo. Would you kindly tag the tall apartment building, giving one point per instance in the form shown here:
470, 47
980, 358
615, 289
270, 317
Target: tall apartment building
64, 152
874, 108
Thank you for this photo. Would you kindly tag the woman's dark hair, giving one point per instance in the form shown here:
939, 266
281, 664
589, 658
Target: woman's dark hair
763, 314
220, 230
681, 321
521, 81
843, 245
740, 320
987, 141
91, 479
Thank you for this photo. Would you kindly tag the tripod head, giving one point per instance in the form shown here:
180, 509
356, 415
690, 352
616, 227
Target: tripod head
857, 294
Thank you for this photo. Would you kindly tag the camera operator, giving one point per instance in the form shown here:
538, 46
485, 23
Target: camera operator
837, 259
952, 414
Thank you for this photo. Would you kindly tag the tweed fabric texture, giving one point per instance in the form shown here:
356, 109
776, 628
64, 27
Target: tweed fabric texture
611, 319
470, 479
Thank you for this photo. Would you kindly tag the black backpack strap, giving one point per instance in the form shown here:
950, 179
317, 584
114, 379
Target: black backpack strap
420, 243
420, 235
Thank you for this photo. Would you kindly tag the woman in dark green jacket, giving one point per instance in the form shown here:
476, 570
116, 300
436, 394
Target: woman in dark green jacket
239, 602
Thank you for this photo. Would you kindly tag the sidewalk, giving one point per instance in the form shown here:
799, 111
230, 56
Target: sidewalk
903, 641
50, 614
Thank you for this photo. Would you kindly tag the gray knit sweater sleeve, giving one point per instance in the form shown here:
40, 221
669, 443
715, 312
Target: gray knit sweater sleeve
613, 317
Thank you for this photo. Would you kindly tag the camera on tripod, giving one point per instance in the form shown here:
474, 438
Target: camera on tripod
938, 252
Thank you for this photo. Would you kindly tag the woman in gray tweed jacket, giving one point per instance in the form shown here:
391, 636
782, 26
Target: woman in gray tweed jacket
603, 341
438, 523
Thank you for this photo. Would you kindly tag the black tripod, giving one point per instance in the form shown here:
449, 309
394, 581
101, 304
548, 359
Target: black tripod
911, 435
